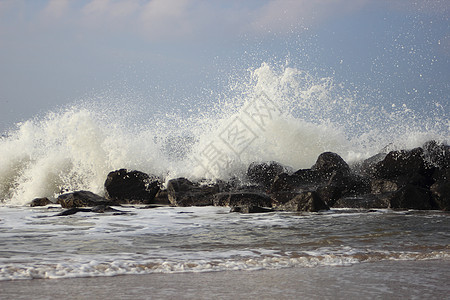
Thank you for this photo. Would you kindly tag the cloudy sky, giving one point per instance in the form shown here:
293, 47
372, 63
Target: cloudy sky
55, 52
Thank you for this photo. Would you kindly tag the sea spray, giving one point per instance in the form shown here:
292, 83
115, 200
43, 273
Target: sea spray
277, 113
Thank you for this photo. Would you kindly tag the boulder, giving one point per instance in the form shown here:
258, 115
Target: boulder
402, 163
329, 163
40, 202
82, 199
304, 201
182, 192
125, 186
248, 198
263, 173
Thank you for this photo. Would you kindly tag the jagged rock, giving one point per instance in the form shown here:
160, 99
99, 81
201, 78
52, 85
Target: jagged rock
304, 201
263, 173
329, 163
182, 192
81, 199
125, 186
40, 202
231, 199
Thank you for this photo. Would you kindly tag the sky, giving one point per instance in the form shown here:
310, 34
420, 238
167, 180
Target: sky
168, 52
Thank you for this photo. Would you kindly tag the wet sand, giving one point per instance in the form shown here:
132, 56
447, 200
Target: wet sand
380, 280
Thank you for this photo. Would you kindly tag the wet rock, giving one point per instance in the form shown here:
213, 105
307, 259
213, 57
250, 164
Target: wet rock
304, 201
263, 173
182, 192
440, 190
251, 199
95, 209
363, 202
411, 197
81, 199
402, 163
125, 186
250, 209
329, 163
437, 154
40, 202
380, 186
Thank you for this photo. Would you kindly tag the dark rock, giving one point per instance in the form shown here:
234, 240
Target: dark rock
247, 198
304, 201
182, 192
363, 202
401, 163
162, 198
330, 194
95, 209
411, 197
366, 167
125, 186
380, 186
263, 173
250, 209
350, 184
329, 163
40, 202
81, 199
437, 154
441, 190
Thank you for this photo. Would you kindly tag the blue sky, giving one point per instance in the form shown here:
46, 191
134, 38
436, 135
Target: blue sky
54, 52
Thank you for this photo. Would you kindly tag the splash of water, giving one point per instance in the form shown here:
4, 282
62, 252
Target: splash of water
278, 113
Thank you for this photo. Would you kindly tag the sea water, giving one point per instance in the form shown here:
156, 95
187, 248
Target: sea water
276, 112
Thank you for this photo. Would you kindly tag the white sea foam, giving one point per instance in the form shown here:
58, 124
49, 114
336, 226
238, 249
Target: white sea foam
278, 113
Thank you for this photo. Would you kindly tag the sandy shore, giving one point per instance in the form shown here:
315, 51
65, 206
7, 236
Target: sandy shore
381, 280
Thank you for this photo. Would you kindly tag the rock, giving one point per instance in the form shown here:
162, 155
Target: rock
95, 209
380, 186
363, 202
440, 190
125, 186
264, 173
328, 163
182, 192
81, 199
304, 201
402, 163
330, 194
437, 154
162, 198
411, 197
251, 199
250, 209
40, 202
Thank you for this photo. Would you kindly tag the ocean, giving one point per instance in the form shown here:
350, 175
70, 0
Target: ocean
277, 113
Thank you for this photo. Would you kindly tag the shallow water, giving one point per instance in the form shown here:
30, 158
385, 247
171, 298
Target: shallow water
38, 244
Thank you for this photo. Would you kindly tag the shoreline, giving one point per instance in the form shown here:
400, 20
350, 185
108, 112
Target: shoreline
383, 279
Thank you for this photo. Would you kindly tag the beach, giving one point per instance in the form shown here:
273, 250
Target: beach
380, 280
